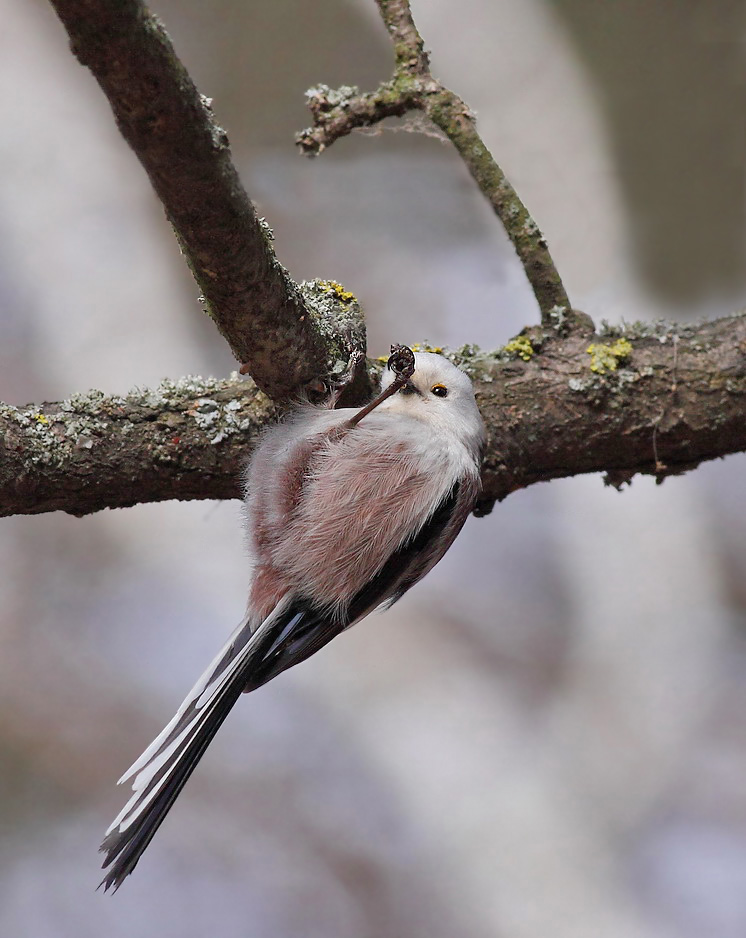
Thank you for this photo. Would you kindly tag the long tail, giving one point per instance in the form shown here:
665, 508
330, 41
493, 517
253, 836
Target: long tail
163, 769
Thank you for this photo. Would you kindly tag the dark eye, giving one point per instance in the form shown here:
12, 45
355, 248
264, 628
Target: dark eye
439, 390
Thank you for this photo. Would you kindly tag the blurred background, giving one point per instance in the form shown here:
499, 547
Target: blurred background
547, 736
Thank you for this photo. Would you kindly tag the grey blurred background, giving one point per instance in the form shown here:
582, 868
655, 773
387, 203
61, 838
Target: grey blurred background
546, 737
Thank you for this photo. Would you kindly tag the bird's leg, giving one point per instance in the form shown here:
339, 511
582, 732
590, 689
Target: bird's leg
401, 362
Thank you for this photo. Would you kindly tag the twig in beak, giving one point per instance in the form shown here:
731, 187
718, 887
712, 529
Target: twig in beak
401, 362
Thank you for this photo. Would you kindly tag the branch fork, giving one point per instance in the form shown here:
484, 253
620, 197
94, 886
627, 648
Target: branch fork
337, 113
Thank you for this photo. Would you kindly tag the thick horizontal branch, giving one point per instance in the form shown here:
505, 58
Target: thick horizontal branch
337, 113
184, 439
170, 126
657, 400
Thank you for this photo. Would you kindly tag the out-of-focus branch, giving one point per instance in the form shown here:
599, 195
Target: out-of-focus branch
412, 87
268, 324
656, 400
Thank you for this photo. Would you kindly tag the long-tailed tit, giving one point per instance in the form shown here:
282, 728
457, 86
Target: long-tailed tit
346, 511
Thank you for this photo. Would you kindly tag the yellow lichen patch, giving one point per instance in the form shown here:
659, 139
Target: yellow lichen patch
521, 347
416, 347
426, 347
607, 357
333, 287
41, 418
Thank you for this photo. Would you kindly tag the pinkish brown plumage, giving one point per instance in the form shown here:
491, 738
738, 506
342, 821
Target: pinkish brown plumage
346, 511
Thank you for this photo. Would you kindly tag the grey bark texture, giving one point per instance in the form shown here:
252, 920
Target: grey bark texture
657, 400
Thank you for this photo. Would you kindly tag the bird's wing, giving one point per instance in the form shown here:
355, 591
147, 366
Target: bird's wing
363, 498
419, 555
403, 568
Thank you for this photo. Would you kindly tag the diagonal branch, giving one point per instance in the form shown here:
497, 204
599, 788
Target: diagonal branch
412, 87
656, 400
256, 306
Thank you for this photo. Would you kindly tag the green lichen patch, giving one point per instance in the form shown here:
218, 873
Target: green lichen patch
335, 308
661, 329
476, 362
606, 357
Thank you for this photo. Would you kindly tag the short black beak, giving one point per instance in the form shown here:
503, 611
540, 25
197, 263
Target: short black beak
408, 388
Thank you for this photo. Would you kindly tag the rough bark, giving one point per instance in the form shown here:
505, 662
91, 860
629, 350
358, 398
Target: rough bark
184, 439
653, 399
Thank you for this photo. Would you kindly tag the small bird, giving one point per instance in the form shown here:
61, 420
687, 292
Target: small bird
346, 510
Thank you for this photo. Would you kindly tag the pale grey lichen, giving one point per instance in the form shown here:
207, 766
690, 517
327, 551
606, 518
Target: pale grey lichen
476, 362
206, 412
325, 97
223, 419
264, 225
661, 329
557, 316
338, 317
605, 385
84, 403
77, 424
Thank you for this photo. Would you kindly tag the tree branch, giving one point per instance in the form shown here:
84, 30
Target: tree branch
184, 439
650, 399
412, 87
268, 323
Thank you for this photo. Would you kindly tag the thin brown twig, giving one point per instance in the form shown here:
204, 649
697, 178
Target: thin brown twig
337, 113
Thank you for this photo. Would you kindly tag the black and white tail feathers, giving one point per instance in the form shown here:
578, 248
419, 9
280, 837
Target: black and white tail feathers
247, 661
292, 632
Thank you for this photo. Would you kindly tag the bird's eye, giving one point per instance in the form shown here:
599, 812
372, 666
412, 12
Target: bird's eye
439, 390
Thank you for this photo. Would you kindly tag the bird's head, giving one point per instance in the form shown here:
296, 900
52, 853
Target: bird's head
440, 394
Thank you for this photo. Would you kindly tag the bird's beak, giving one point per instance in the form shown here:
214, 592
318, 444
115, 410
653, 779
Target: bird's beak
408, 388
